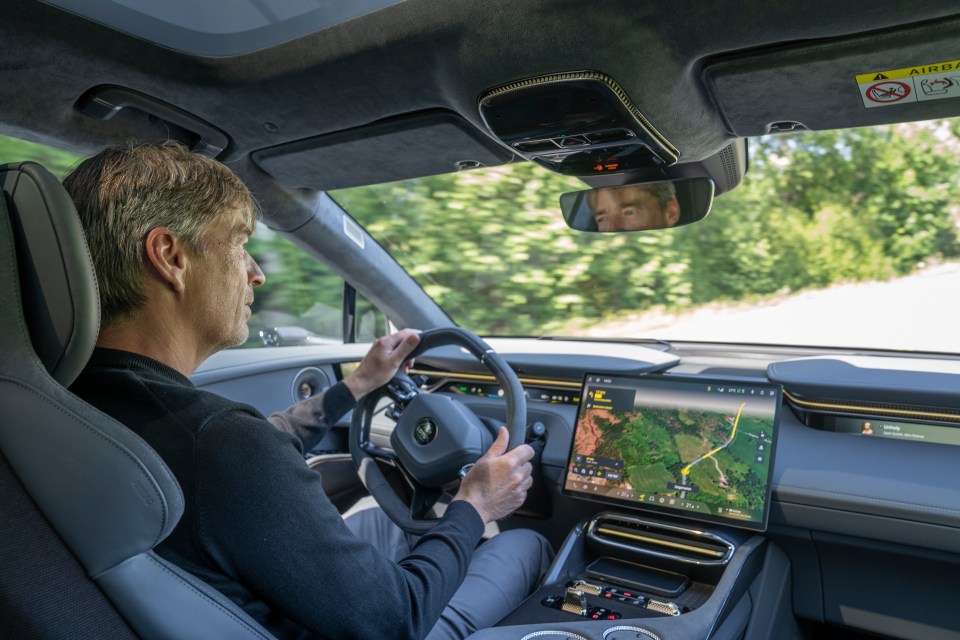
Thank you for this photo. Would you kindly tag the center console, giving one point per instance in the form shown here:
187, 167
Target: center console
685, 467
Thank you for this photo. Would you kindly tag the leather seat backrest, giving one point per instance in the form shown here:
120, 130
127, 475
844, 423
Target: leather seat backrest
105, 492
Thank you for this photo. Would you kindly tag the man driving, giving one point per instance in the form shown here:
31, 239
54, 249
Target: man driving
166, 230
635, 207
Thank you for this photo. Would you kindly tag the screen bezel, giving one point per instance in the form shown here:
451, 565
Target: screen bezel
760, 525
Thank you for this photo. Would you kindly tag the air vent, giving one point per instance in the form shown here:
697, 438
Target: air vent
639, 538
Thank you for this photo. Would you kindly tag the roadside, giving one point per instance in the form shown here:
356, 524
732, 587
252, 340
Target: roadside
893, 314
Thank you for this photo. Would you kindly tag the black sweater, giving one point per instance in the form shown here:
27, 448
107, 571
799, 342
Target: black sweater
256, 523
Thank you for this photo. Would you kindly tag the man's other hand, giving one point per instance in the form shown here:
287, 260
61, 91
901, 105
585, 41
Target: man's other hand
382, 362
497, 484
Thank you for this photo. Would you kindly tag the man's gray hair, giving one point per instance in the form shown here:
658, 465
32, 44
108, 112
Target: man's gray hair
664, 192
126, 190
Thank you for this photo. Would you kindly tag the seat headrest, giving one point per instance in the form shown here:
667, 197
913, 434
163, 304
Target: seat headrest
103, 489
57, 281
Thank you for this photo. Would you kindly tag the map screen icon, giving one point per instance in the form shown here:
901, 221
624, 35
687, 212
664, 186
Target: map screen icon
692, 447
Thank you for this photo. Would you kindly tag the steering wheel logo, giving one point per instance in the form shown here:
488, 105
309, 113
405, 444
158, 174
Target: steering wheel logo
425, 431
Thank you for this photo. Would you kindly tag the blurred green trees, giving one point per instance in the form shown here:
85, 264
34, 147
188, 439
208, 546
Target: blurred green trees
56, 161
490, 245
815, 209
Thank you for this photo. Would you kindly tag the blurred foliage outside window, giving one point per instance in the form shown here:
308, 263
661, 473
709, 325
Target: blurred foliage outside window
300, 291
56, 161
815, 209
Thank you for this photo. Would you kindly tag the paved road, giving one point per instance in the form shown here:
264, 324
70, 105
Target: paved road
918, 312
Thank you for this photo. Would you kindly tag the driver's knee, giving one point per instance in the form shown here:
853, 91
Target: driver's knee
369, 523
504, 571
523, 554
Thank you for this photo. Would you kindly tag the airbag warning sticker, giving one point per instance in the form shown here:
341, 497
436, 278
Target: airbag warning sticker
910, 84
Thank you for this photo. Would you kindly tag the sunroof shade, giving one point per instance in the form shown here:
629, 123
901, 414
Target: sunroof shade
218, 28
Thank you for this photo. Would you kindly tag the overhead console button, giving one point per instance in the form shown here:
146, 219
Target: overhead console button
571, 141
610, 135
536, 146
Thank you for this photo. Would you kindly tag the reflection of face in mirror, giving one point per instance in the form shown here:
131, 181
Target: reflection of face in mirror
635, 207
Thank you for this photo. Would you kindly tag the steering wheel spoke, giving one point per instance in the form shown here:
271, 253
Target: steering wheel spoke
423, 500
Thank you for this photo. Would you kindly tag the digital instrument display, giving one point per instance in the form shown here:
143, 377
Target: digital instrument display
492, 390
691, 447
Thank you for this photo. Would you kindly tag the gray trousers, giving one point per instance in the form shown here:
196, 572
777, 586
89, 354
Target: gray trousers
504, 570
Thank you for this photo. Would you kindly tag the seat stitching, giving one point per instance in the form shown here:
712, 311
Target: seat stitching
68, 277
111, 441
7, 235
254, 632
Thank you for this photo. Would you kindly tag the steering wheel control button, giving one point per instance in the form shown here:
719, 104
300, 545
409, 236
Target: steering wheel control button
536, 430
425, 432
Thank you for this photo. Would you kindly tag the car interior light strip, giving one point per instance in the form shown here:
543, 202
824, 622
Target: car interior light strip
869, 409
664, 543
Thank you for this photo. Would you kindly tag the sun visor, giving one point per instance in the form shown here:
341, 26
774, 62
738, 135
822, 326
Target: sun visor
410, 146
899, 76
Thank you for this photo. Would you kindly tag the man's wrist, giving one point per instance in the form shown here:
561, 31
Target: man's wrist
484, 517
480, 514
357, 385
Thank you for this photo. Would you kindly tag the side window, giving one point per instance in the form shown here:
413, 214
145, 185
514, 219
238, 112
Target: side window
56, 161
301, 300
371, 322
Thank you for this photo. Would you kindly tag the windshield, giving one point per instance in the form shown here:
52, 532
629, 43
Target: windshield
842, 238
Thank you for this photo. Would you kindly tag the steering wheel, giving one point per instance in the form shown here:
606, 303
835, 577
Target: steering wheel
436, 435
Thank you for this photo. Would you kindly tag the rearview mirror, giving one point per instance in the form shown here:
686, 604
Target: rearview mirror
638, 207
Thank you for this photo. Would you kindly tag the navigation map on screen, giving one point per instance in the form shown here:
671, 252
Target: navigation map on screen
702, 449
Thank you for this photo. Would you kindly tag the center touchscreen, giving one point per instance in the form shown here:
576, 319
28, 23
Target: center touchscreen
696, 448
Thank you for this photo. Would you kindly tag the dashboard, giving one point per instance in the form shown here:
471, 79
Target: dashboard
857, 528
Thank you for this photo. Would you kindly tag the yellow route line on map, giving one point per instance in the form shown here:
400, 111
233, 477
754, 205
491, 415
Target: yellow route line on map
733, 434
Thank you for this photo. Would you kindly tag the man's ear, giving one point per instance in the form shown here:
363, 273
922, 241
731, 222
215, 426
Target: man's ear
673, 212
167, 257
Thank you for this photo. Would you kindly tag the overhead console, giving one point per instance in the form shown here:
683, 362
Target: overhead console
579, 124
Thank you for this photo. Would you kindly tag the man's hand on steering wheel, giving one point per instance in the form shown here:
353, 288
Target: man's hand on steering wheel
436, 435
497, 484
386, 356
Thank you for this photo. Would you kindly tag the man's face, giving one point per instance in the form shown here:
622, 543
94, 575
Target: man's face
632, 209
222, 282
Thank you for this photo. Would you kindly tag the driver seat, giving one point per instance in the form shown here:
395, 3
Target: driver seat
83, 500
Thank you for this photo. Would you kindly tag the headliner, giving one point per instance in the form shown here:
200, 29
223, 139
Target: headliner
703, 73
